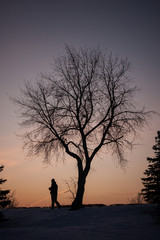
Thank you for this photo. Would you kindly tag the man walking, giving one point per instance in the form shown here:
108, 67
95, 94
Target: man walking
53, 191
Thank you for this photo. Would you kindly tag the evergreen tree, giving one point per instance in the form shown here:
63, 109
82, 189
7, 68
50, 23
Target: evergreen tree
151, 182
4, 201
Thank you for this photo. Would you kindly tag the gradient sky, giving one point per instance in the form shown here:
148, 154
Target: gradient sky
32, 35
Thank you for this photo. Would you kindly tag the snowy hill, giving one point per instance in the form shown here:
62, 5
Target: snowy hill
96, 223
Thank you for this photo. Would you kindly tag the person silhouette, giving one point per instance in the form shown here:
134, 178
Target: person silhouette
53, 191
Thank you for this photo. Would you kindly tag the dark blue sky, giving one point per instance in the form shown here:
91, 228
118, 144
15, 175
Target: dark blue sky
33, 33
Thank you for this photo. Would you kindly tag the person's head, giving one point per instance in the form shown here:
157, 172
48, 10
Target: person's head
53, 180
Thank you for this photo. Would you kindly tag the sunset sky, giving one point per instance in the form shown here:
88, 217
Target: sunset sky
32, 35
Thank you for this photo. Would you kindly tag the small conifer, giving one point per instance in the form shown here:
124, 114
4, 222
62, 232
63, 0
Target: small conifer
151, 182
4, 201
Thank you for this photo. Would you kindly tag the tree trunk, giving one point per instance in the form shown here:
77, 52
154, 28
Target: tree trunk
77, 203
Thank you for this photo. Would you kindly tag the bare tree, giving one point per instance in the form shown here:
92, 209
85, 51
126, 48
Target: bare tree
85, 104
13, 201
71, 187
139, 199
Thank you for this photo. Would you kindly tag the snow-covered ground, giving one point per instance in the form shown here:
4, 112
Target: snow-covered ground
96, 223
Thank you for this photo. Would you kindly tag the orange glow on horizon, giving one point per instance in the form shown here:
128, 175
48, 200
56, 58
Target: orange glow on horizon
106, 183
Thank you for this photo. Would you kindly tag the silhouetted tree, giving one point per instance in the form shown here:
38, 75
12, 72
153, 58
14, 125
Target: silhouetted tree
71, 187
151, 182
85, 104
13, 201
4, 201
137, 200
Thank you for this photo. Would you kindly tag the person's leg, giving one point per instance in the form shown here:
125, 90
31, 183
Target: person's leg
52, 199
58, 204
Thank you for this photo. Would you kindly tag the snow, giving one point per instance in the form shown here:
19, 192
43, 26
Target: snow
97, 223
